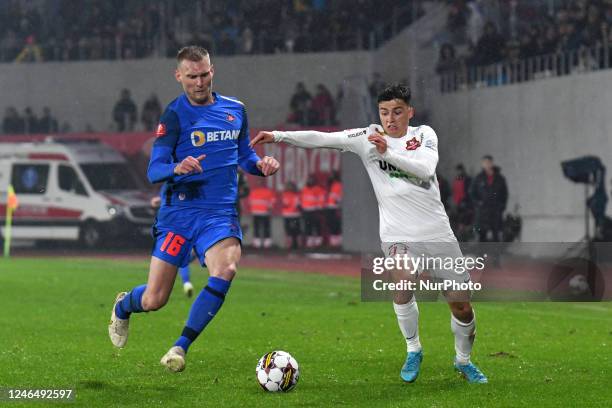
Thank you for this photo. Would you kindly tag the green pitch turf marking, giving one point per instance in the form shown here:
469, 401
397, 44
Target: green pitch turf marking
53, 333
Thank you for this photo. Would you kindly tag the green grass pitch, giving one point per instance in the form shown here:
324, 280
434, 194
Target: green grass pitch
53, 333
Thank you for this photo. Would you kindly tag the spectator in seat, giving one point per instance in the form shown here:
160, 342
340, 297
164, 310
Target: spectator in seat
489, 49
322, 107
475, 22
569, 39
447, 61
530, 46
125, 112
457, 20
247, 40
151, 111
12, 122
447, 67
549, 40
47, 123
300, 103
31, 52
31, 121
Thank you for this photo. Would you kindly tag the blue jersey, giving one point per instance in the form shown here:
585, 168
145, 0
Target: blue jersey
221, 132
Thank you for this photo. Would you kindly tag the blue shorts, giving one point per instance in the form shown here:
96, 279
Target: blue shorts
179, 230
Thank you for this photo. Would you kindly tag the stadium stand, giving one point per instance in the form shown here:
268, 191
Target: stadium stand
490, 43
117, 29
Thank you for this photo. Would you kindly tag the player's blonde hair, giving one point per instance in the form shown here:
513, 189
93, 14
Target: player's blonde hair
192, 53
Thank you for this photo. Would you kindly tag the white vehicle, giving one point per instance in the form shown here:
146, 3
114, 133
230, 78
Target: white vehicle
82, 191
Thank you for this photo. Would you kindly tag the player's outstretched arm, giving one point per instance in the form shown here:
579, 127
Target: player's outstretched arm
309, 139
248, 158
262, 138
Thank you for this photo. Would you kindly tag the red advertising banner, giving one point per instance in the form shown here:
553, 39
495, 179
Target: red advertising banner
297, 164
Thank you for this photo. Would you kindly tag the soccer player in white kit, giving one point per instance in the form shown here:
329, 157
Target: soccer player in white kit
401, 162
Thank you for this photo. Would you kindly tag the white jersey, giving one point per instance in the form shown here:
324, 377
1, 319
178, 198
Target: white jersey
403, 178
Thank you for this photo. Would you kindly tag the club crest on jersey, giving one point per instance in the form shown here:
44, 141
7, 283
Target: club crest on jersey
230, 117
161, 130
198, 138
413, 144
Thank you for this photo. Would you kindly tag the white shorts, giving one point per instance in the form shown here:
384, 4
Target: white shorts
436, 257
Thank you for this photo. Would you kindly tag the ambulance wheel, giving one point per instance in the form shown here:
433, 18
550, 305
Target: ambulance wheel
90, 235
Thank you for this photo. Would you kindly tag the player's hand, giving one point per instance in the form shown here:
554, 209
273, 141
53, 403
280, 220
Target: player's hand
261, 138
268, 165
378, 140
156, 202
189, 164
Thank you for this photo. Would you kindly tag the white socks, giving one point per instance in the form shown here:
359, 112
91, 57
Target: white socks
464, 338
408, 320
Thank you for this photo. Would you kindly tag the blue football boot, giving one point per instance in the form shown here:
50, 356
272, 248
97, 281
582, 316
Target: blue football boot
412, 366
471, 373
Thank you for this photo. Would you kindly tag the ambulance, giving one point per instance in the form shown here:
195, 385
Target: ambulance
81, 191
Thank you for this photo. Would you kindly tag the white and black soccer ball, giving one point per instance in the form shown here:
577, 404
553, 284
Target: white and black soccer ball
579, 285
277, 371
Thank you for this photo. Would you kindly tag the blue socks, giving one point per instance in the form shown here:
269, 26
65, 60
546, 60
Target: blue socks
184, 272
131, 303
205, 307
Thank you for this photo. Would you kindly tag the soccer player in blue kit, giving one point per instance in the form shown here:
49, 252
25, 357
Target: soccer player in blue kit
201, 139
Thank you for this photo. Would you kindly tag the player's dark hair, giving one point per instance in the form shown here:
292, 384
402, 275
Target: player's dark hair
193, 53
487, 157
395, 91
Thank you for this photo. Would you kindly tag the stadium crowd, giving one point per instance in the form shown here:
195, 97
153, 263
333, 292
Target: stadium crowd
125, 29
29, 122
476, 205
124, 117
491, 32
308, 110
125, 112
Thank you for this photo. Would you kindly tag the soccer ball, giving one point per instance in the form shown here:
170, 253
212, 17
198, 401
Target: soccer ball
579, 285
277, 371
